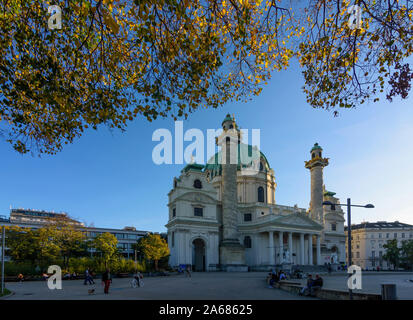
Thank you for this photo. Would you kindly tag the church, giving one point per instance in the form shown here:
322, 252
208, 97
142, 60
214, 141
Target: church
223, 218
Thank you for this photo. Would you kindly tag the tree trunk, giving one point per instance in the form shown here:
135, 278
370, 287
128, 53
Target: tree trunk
156, 265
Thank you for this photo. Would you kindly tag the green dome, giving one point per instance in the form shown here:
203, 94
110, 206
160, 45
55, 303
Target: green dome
316, 147
228, 118
193, 166
214, 163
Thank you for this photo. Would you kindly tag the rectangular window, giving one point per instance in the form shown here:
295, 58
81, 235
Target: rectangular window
373, 254
379, 235
174, 212
247, 216
387, 235
358, 254
198, 212
173, 239
402, 235
333, 227
395, 234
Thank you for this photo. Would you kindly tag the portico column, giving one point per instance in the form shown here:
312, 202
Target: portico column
318, 250
271, 247
310, 249
290, 246
302, 248
280, 245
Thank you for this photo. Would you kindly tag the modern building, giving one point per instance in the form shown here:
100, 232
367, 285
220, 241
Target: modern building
40, 217
34, 219
223, 215
368, 238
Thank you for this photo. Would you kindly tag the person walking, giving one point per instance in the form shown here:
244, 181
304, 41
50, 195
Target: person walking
107, 280
88, 277
188, 271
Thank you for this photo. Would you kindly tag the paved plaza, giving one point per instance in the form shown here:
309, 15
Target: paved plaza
201, 286
371, 282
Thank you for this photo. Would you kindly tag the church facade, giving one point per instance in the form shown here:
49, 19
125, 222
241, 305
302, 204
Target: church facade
223, 218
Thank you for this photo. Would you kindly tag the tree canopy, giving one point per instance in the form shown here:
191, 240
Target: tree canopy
115, 60
58, 239
106, 244
153, 248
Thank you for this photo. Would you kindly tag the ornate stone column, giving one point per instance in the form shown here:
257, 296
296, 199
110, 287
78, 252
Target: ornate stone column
302, 248
290, 246
318, 251
231, 252
271, 252
310, 249
280, 246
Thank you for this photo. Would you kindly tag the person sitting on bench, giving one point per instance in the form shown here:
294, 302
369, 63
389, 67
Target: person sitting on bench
317, 284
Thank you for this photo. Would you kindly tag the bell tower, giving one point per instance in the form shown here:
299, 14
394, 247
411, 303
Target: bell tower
316, 165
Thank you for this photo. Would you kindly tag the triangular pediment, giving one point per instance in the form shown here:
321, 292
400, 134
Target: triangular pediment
299, 220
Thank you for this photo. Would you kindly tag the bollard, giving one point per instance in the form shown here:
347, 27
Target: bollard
388, 291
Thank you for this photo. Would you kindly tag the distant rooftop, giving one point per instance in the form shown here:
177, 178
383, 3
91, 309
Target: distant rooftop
380, 225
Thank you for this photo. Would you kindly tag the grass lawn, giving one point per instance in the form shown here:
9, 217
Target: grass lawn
6, 292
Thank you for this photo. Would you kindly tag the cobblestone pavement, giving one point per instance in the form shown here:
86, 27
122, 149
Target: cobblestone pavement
201, 286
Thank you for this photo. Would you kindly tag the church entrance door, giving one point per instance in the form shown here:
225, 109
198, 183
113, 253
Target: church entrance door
199, 255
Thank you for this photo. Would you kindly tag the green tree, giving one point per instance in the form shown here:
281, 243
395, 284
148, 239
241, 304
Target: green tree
22, 244
106, 244
154, 248
392, 255
65, 236
116, 60
406, 252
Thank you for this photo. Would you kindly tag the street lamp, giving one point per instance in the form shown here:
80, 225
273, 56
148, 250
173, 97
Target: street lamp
348, 205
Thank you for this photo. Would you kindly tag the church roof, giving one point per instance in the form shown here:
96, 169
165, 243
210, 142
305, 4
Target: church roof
329, 193
228, 118
193, 166
316, 147
244, 151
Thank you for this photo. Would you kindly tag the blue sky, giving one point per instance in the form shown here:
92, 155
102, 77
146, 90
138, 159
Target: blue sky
109, 179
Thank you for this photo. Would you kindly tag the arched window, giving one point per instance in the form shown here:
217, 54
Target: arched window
260, 194
247, 242
313, 155
197, 184
319, 154
261, 166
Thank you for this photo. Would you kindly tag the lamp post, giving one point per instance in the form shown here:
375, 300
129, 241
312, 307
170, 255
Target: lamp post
348, 205
3, 233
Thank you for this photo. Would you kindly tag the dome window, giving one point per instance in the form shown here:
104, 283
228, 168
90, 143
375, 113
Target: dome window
197, 184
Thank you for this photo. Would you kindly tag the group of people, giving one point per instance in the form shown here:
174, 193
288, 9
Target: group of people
312, 285
274, 277
70, 276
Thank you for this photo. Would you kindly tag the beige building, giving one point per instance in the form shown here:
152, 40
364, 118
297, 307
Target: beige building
368, 239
